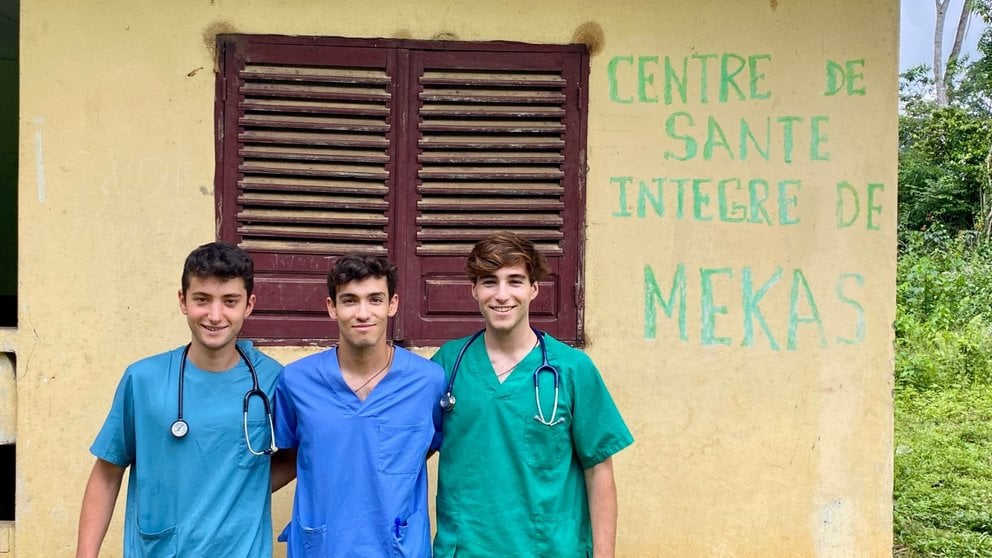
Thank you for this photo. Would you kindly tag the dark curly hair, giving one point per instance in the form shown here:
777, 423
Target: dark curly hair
355, 267
221, 260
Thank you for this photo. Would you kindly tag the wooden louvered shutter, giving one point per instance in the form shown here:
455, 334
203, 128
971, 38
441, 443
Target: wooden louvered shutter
410, 149
304, 160
499, 137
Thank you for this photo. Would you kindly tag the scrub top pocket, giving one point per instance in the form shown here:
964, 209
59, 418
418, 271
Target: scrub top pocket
411, 536
258, 431
548, 446
314, 540
401, 449
160, 544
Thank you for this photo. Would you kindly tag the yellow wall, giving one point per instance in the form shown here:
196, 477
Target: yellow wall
743, 448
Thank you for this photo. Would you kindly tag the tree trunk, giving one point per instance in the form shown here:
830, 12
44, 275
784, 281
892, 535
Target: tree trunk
959, 34
938, 52
952, 59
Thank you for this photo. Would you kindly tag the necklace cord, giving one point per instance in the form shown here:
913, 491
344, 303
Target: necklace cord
515, 364
381, 370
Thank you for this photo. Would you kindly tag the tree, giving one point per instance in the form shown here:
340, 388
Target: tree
945, 133
942, 170
974, 90
943, 74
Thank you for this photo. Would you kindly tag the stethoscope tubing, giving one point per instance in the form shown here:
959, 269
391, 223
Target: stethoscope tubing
180, 427
448, 399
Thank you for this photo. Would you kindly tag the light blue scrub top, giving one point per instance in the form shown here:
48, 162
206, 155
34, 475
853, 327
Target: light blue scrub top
361, 488
204, 494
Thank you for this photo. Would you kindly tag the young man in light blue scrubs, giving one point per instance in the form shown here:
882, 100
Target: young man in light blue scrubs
362, 418
199, 483
521, 475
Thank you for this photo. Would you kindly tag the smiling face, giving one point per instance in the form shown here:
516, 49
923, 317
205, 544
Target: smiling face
362, 309
504, 298
215, 310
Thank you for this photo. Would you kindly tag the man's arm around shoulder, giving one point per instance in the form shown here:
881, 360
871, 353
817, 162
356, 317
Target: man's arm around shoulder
601, 491
98, 507
283, 469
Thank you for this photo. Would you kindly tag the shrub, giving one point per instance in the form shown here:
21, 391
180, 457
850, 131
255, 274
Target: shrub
943, 311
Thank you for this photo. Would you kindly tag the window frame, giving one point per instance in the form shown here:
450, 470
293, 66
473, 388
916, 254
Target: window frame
399, 57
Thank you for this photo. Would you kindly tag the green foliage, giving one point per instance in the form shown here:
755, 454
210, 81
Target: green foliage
943, 397
974, 92
942, 167
943, 311
916, 91
944, 151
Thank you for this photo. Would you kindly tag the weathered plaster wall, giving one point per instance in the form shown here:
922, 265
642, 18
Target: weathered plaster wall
761, 406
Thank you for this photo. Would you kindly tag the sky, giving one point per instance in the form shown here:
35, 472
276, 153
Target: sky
916, 32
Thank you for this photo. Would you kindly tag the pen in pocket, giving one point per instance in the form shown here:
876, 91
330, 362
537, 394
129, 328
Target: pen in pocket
398, 523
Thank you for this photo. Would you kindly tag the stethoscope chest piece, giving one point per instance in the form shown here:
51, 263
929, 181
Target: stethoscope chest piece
179, 428
447, 401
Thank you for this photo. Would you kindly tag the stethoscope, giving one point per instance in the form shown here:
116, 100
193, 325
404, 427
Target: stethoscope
180, 427
448, 400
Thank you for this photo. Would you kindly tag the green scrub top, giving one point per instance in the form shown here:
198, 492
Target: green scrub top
507, 484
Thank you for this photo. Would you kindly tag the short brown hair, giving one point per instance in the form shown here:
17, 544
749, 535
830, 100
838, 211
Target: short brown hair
505, 249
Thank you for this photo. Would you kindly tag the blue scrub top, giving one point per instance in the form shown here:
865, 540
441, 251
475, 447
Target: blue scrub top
204, 494
361, 485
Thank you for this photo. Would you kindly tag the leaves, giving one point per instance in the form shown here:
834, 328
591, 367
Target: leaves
942, 169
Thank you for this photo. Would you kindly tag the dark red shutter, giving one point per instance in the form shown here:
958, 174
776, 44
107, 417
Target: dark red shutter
409, 149
304, 173
497, 143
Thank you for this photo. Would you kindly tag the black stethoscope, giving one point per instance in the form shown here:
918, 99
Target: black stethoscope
180, 427
448, 400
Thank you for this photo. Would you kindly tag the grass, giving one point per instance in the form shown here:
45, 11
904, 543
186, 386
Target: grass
943, 472
943, 398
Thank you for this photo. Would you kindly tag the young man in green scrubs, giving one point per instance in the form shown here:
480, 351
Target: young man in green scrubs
517, 476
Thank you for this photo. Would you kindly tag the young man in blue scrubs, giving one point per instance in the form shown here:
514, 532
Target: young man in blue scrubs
362, 418
517, 476
196, 487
